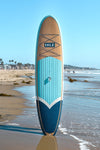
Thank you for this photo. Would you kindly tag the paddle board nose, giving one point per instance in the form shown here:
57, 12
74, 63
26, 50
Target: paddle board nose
49, 26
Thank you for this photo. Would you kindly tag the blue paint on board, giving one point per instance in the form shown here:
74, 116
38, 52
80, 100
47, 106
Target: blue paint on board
49, 118
49, 68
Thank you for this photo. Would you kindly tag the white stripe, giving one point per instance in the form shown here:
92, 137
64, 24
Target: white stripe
49, 106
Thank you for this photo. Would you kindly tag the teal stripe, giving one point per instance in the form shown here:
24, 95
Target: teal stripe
49, 90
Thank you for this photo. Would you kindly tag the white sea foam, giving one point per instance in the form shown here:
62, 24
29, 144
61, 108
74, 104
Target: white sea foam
4, 122
63, 130
13, 124
84, 145
34, 101
86, 71
34, 97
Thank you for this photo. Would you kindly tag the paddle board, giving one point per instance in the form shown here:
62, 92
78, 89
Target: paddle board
49, 75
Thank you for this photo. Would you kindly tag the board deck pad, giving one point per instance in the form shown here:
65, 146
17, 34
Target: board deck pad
49, 75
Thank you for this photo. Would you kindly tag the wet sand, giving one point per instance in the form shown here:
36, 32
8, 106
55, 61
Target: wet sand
33, 141
12, 104
18, 136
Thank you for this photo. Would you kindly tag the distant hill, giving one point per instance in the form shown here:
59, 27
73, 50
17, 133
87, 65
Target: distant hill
76, 67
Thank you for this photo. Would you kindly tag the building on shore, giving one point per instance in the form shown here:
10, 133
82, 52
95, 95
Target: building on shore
18, 66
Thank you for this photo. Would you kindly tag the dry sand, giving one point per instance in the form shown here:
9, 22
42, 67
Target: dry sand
11, 77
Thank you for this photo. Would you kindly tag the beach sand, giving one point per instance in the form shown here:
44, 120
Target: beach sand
19, 140
16, 77
19, 137
11, 101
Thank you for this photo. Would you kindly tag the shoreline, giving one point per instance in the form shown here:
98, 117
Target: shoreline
13, 106
12, 103
19, 115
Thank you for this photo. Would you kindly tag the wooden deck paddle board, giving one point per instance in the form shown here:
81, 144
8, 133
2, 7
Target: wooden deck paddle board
49, 75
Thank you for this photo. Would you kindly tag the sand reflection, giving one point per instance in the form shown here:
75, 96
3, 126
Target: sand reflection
47, 143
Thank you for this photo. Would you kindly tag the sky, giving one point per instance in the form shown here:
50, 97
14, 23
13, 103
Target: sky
79, 22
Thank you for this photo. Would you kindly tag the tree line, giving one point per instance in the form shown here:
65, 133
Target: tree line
12, 64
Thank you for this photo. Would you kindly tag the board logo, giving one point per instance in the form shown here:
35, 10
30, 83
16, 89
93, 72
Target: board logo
49, 44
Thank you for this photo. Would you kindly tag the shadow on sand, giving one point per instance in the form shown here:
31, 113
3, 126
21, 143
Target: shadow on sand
21, 129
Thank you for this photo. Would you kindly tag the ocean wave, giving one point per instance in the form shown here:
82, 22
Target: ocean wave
88, 72
83, 145
34, 97
4, 122
13, 124
63, 130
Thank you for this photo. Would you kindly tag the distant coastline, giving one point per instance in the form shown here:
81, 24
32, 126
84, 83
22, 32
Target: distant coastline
81, 68
14, 65
28, 66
